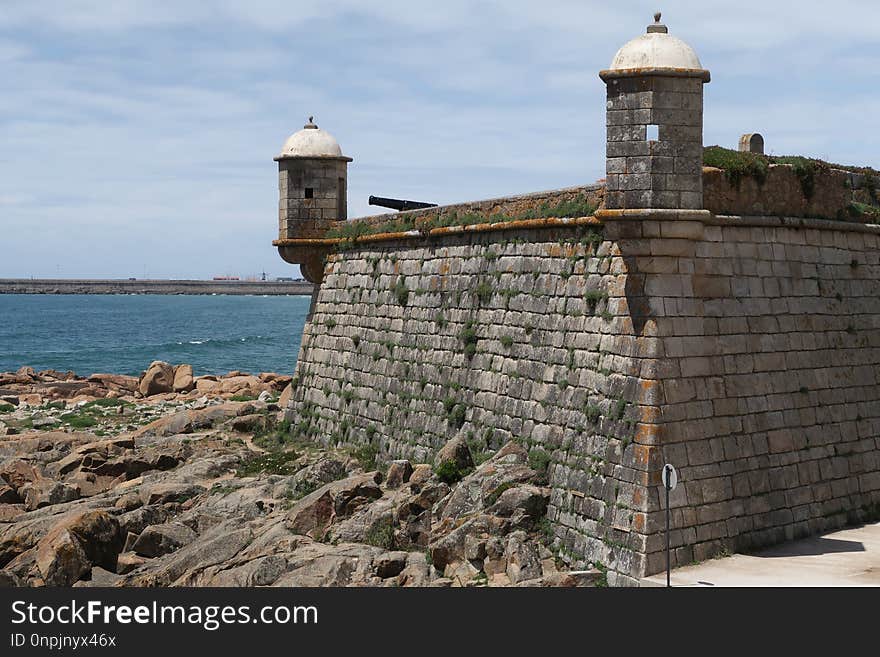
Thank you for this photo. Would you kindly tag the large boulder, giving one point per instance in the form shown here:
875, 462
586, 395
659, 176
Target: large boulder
455, 455
390, 564
286, 396
183, 378
507, 468
526, 499
245, 383
117, 382
170, 492
46, 492
101, 537
16, 473
157, 540
315, 475
523, 561
314, 513
158, 378
61, 559
398, 474
76, 543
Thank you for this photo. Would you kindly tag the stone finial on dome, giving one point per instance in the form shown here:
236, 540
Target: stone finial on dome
657, 27
311, 125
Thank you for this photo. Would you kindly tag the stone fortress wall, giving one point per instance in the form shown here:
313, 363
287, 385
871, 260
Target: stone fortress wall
678, 314
742, 350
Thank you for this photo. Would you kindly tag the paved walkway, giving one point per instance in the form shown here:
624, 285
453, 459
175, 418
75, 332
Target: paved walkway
850, 557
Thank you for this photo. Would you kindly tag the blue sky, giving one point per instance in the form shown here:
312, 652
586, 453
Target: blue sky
137, 136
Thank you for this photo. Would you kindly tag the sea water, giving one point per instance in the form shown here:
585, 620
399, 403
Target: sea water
122, 334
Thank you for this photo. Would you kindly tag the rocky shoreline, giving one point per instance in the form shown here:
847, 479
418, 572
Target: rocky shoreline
171, 479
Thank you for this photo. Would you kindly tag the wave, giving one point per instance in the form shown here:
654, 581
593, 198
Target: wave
222, 341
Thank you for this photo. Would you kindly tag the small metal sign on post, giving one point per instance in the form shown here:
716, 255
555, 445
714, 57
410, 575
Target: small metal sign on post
670, 481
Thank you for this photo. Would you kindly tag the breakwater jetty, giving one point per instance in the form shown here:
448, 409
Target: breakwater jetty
146, 286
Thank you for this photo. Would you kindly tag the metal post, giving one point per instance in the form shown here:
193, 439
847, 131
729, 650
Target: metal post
668, 566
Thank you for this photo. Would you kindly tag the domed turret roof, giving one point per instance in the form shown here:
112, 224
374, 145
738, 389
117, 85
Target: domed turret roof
656, 49
311, 141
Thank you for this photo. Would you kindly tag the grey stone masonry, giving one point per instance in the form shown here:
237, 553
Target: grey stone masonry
654, 171
521, 335
312, 195
743, 350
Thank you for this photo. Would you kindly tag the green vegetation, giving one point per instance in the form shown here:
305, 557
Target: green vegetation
274, 437
79, 420
469, 338
350, 231
577, 207
381, 534
602, 581
6, 408
737, 165
366, 455
593, 297
619, 408
506, 341
805, 169
242, 398
457, 416
539, 461
106, 402
401, 291
280, 463
864, 212
492, 497
483, 292
449, 473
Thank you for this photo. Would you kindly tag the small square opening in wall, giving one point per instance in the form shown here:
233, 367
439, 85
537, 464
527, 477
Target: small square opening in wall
310, 193
653, 133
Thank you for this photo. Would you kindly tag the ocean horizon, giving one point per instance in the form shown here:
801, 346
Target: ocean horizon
122, 334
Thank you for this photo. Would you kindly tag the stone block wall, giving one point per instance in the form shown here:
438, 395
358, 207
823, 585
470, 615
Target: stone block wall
744, 351
522, 335
770, 365
309, 214
661, 172
828, 195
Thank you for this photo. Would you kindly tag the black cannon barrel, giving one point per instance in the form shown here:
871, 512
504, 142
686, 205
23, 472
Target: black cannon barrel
399, 204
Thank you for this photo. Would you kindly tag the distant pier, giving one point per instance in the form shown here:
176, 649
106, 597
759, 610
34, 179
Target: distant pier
137, 286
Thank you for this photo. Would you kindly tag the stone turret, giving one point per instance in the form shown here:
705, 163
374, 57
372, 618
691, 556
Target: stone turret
654, 151
312, 187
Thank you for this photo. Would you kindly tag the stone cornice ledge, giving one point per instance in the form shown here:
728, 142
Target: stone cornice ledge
792, 222
517, 224
610, 74
653, 214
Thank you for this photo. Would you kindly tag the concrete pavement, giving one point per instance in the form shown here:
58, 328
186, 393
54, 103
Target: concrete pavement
849, 557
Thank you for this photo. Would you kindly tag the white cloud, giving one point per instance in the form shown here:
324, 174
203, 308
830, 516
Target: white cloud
151, 125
